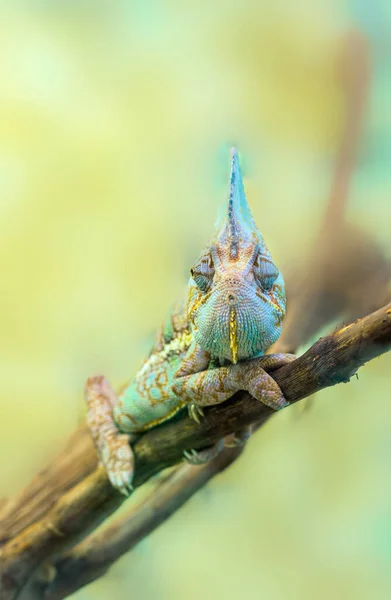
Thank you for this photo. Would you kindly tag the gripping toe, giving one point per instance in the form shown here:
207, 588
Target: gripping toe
200, 457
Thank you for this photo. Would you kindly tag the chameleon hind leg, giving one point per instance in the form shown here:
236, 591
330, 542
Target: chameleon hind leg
214, 386
200, 457
239, 438
113, 447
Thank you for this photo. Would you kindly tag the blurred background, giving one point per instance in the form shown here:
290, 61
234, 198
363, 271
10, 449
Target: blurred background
115, 123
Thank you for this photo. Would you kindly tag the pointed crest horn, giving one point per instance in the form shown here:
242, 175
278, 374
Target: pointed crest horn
237, 224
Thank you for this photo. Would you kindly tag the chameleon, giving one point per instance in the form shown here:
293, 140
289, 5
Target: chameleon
210, 345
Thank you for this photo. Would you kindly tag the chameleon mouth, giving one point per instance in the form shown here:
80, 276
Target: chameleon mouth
233, 335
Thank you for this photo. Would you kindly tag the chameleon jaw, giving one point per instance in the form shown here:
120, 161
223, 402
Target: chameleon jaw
233, 335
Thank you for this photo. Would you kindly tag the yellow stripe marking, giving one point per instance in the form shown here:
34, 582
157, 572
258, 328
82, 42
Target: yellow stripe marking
233, 335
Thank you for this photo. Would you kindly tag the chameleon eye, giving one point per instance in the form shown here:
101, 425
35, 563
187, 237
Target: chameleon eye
265, 272
203, 272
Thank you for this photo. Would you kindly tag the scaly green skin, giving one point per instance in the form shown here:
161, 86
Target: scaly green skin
207, 349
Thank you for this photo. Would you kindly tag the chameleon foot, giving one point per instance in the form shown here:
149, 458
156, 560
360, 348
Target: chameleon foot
118, 459
260, 385
216, 385
200, 457
239, 438
113, 448
195, 412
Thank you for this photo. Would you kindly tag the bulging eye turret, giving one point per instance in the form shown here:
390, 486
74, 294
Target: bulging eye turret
265, 272
203, 273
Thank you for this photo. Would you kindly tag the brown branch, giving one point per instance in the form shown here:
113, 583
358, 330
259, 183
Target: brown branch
77, 460
332, 359
93, 557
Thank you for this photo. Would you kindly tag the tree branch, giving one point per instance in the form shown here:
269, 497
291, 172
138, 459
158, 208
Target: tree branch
331, 360
94, 556
75, 462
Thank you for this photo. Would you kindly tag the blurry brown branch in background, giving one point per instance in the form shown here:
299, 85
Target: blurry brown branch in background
353, 75
331, 360
46, 544
345, 275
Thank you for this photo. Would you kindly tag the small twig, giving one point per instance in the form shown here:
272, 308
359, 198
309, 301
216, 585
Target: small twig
331, 360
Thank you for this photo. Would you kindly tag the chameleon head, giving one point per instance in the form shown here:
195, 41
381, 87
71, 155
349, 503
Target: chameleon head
236, 293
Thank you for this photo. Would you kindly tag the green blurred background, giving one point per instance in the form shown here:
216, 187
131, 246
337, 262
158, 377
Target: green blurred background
115, 119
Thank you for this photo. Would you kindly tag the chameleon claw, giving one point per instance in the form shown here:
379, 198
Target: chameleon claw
126, 489
195, 412
200, 457
195, 458
189, 456
121, 483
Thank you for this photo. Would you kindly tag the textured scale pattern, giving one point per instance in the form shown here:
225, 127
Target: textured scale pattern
208, 348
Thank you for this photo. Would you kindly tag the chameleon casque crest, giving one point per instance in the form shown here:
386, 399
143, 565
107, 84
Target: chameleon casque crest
208, 348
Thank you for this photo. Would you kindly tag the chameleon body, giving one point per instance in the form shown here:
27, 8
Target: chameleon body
208, 348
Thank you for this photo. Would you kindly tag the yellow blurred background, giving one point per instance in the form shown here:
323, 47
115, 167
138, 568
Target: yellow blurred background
115, 119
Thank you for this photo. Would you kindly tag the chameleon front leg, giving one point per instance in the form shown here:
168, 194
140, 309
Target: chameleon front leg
216, 385
112, 446
269, 362
197, 360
